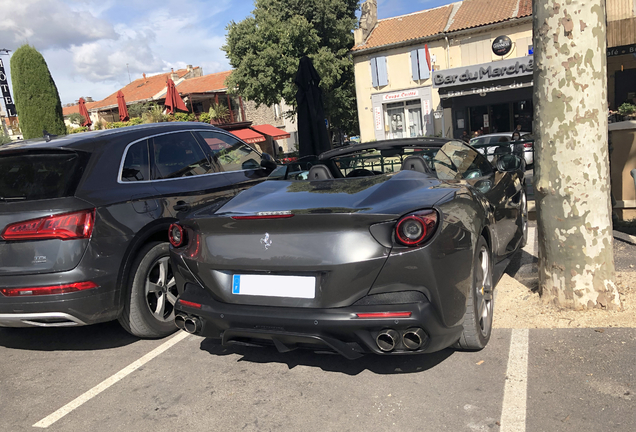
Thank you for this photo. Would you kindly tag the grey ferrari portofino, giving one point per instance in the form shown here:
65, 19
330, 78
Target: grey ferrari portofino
386, 247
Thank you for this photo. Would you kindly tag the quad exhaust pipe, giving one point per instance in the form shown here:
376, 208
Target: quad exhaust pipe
190, 324
179, 321
414, 338
387, 339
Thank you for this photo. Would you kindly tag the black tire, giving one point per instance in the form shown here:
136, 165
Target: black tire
151, 294
480, 302
523, 206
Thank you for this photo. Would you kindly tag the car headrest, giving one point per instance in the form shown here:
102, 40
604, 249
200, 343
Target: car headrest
415, 163
319, 172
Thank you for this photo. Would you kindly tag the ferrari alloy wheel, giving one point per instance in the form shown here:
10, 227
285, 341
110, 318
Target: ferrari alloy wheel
480, 302
149, 307
523, 207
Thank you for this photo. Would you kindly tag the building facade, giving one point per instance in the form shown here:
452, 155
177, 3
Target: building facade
465, 67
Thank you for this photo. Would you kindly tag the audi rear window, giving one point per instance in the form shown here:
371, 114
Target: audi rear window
40, 175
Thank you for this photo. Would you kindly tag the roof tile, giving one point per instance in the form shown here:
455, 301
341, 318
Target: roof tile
139, 89
205, 83
475, 13
525, 8
75, 108
407, 27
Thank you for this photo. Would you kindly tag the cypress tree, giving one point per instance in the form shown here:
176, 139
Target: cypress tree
37, 101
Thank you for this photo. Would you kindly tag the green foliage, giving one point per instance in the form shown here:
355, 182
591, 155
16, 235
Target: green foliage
184, 117
72, 130
627, 109
219, 112
265, 49
132, 122
36, 98
76, 118
99, 125
4, 138
205, 117
154, 115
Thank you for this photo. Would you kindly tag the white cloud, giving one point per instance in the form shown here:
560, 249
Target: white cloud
91, 46
48, 24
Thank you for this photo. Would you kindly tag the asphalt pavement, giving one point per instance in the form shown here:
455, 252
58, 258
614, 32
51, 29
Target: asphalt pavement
99, 378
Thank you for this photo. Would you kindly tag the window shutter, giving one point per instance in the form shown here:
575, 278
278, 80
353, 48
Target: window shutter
415, 65
383, 77
374, 72
424, 67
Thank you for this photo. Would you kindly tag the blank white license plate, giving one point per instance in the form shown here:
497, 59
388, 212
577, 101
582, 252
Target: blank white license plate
274, 286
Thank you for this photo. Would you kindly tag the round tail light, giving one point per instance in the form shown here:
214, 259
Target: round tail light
414, 229
176, 234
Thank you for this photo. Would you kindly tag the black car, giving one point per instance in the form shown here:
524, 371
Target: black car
84, 220
386, 247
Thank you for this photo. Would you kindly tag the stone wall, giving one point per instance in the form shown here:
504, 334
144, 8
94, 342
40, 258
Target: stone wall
268, 115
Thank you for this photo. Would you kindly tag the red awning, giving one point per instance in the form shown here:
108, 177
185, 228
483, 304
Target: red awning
248, 135
271, 131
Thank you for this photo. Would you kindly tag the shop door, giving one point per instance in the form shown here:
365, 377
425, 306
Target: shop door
500, 118
479, 119
523, 113
415, 121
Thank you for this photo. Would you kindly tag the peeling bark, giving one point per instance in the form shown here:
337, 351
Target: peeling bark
572, 186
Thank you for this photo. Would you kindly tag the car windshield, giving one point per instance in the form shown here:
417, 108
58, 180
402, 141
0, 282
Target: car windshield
39, 175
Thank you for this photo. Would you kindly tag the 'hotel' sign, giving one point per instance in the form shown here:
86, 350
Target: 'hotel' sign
6, 95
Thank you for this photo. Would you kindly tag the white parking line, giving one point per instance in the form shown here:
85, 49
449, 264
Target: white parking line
513, 411
49, 420
533, 242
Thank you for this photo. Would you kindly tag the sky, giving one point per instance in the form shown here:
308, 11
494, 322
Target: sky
94, 48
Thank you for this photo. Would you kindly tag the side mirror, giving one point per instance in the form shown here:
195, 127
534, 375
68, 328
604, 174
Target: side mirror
509, 163
268, 163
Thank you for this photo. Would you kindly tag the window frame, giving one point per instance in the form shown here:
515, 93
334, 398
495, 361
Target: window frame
211, 155
212, 162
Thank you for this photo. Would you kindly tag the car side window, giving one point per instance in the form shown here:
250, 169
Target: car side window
179, 155
455, 161
136, 167
230, 153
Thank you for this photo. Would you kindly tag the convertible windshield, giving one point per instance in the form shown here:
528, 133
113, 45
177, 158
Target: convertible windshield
452, 161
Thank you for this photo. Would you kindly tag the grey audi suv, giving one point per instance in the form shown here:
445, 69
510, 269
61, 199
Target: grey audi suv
84, 220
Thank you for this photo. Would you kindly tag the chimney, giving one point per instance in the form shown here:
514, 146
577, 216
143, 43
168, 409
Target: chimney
145, 80
88, 99
189, 68
173, 75
368, 20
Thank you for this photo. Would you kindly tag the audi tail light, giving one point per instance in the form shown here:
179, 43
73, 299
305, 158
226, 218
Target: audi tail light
416, 228
176, 235
65, 226
48, 290
527, 145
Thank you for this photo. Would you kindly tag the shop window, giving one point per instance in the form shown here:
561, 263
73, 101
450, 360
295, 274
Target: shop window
404, 120
419, 66
379, 75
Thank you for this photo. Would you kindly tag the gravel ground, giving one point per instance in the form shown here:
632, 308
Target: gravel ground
517, 305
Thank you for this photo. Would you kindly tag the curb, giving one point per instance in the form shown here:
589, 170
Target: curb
625, 237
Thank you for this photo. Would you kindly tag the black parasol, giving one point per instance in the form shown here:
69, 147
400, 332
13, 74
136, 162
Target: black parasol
313, 137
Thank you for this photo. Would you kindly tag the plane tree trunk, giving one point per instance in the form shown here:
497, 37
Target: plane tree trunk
572, 186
